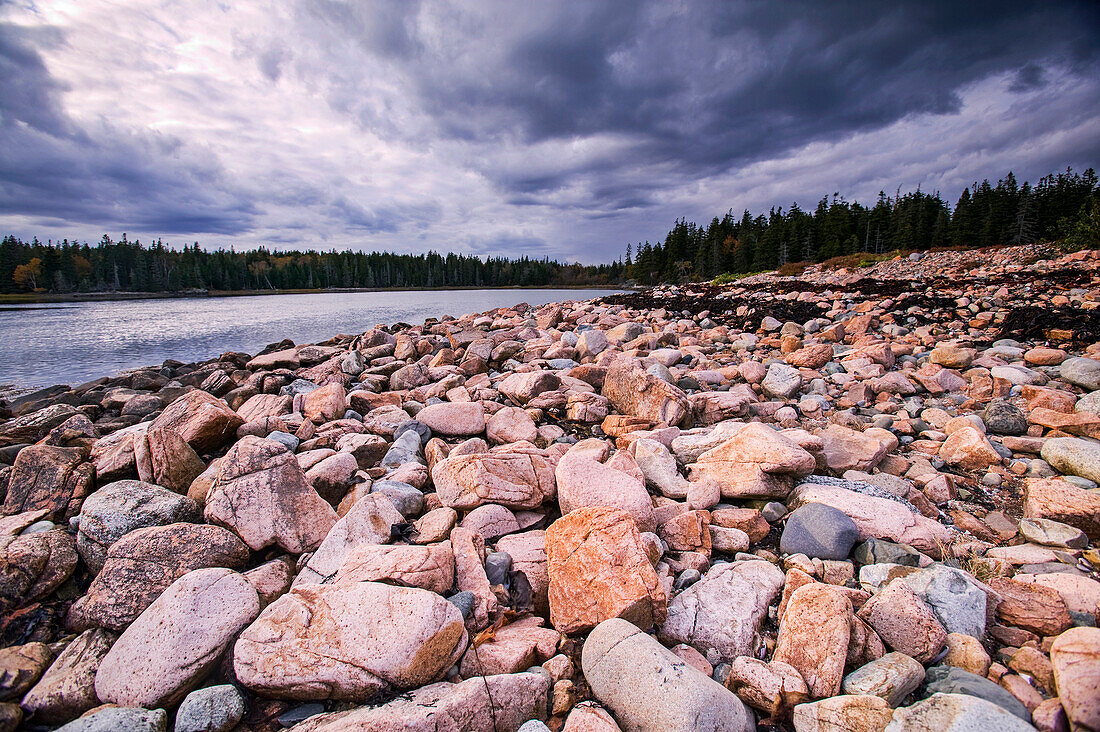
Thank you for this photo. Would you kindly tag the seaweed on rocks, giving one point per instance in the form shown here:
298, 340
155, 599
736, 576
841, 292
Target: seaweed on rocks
1063, 324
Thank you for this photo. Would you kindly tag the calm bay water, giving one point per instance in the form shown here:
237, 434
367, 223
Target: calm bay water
72, 343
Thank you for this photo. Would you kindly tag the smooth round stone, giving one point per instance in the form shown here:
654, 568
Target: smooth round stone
1088, 403
819, 531
991, 479
38, 527
773, 511
213, 709
408, 500
419, 427
1004, 418
1082, 372
1083, 483
686, 579
120, 719
559, 364
464, 601
285, 438
298, 386
1052, 533
352, 414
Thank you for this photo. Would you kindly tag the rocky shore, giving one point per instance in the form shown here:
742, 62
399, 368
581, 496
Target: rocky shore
848, 500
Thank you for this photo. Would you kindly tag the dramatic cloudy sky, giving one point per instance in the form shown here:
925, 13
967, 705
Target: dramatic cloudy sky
559, 128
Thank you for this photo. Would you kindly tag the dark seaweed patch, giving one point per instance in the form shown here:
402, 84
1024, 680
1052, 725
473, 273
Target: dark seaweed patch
1032, 323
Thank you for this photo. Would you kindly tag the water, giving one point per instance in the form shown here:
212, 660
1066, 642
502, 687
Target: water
72, 343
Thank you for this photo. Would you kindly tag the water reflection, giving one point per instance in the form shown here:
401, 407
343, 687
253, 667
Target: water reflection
73, 343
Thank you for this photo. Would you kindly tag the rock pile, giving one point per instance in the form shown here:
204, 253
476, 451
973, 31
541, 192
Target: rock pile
847, 500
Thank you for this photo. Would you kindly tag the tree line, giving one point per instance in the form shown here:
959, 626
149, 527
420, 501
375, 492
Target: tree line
1063, 206
130, 266
1060, 207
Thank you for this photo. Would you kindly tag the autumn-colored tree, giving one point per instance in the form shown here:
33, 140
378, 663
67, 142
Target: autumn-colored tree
26, 275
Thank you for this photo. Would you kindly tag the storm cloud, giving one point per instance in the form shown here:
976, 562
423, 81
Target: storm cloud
502, 128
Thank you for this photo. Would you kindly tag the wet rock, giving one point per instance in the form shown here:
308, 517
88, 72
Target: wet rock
177, 640
598, 569
348, 642
646, 686
261, 494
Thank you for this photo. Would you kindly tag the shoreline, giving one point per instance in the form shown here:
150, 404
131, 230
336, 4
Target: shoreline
52, 298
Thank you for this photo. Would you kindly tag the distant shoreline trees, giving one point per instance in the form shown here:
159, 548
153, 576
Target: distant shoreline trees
1063, 207
1060, 207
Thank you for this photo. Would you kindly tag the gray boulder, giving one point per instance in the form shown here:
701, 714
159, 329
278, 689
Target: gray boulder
820, 531
118, 508
648, 687
954, 680
1082, 372
120, 719
956, 600
213, 709
1073, 456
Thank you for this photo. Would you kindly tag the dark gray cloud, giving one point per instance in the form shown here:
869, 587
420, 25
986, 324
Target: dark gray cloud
496, 127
